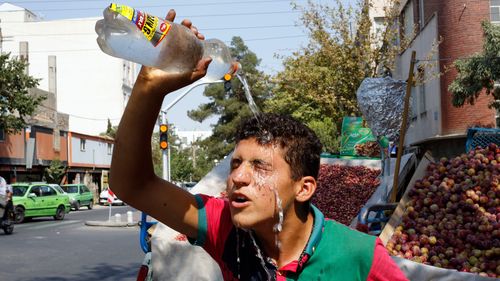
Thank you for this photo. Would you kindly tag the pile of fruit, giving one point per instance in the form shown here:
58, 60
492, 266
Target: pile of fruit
343, 190
368, 149
452, 215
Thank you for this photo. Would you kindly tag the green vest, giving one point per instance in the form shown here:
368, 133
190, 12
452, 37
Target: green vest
342, 254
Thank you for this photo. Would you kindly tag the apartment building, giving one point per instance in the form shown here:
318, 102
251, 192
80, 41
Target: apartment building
90, 86
435, 123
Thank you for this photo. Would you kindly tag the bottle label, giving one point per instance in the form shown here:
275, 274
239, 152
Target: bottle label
153, 28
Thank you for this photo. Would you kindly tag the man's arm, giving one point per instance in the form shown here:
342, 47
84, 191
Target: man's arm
383, 267
132, 176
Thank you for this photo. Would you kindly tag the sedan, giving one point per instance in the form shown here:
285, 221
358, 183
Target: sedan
103, 199
39, 200
79, 195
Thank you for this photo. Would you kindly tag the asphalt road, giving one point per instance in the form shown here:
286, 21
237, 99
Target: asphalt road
45, 249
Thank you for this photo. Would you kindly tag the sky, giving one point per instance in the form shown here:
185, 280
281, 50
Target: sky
270, 28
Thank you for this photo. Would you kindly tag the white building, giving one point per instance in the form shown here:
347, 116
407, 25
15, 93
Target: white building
89, 85
188, 137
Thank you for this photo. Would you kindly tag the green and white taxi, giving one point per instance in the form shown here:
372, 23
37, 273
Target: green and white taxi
39, 200
79, 195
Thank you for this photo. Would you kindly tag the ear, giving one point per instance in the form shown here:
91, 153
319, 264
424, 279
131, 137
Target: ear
307, 187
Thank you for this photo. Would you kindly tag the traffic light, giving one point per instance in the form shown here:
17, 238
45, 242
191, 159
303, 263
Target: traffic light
163, 136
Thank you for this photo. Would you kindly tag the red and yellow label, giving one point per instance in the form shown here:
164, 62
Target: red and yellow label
153, 28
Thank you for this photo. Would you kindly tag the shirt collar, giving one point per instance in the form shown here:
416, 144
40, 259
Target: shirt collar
312, 243
317, 231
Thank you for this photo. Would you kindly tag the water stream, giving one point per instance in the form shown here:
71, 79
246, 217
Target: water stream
262, 181
259, 255
251, 103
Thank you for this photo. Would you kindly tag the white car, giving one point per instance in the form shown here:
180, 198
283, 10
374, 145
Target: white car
103, 199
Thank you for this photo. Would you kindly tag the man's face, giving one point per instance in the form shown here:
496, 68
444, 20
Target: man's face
258, 175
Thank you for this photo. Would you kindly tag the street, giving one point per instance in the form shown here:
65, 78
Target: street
45, 249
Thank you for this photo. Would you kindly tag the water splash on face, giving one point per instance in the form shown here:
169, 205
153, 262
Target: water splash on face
279, 207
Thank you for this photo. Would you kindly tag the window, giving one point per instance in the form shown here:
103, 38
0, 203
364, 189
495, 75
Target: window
495, 11
37, 190
110, 148
421, 92
378, 24
408, 21
413, 105
48, 191
57, 140
2, 134
82, 145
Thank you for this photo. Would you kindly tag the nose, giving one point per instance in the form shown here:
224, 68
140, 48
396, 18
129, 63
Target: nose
241, 176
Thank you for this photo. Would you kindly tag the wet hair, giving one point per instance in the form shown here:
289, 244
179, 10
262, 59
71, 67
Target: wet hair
301, 146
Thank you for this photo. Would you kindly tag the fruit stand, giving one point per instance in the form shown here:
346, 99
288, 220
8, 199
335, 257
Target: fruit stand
446, 225
348, 187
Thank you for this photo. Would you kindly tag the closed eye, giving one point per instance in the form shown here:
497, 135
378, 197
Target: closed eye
235, 163
262, 165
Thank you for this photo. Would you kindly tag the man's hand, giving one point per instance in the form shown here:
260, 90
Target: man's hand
159, 81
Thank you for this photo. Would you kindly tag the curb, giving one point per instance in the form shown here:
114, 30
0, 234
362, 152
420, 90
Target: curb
110, 223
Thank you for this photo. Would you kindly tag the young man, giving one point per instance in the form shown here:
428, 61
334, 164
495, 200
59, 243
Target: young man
266, 229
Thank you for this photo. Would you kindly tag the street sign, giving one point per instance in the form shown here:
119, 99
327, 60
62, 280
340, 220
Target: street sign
111, 196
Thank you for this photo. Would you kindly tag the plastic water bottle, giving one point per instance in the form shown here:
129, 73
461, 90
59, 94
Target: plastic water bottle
136, 36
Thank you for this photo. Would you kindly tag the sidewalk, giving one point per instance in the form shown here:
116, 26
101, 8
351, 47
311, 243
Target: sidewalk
118, 221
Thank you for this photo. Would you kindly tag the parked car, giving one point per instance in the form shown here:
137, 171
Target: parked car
79, 195
39, 200
188, 185
103, 198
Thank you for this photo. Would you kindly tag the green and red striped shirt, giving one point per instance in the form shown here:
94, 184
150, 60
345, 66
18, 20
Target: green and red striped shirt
333, 252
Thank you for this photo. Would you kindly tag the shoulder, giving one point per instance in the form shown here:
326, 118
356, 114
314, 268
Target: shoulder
347, 234
210, 203
351, 245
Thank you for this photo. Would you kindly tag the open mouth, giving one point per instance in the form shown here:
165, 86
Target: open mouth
240, 199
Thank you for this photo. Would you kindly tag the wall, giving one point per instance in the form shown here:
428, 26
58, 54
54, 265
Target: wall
426, 123
96, 152
45, 149
460, 27
12, 148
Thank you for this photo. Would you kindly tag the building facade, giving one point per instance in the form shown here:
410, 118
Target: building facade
25, 156
443, 32
90, 86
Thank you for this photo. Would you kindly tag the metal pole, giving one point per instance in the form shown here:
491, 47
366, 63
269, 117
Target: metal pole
166, 152
168, 164
402, 132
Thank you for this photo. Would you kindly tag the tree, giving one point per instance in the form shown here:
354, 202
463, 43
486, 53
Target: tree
479, 72
231, 106
110, 130
181, 163
319, 82
55, 172
16, 103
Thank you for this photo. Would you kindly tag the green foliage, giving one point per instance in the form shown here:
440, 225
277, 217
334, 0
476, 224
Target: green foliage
110, 130
479, 72
319, 82
182, 165
55, 172
15, 101
231, 107
326, 130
